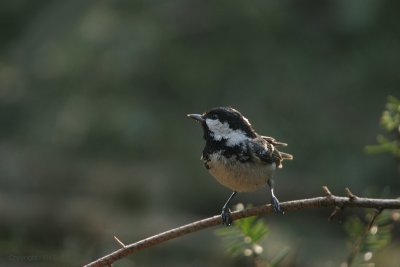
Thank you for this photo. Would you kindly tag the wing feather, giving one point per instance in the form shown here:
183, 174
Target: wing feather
273, 141
263, 150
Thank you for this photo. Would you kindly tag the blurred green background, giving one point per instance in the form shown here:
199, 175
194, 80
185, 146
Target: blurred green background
94, 140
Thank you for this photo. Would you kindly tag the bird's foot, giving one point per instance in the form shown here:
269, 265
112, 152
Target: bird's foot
226, 216
276, 206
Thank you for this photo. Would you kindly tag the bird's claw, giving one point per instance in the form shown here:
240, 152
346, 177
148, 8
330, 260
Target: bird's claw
226, 216
276, 206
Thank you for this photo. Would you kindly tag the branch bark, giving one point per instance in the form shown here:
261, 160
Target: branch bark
327, 201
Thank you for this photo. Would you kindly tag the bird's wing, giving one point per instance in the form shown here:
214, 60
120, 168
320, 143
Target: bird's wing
266, 152
272, 140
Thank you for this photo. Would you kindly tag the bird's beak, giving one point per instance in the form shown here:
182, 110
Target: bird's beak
196, 117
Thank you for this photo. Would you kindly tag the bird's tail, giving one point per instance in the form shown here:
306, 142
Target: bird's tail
273, 141
284, 156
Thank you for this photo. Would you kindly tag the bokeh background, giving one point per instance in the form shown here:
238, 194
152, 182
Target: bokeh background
95, 142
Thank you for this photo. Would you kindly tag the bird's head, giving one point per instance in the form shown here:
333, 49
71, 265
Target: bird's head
224, 124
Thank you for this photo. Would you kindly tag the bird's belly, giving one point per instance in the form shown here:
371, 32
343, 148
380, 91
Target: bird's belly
245, 177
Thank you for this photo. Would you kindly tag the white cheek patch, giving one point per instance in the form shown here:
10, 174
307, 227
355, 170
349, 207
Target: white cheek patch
221, 130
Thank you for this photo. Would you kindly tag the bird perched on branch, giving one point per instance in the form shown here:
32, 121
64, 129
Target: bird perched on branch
237, 156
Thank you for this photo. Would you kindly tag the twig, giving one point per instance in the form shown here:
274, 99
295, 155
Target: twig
334, 212
357, 243
326, 191
350, 194
119, 242
329, 200
371, 223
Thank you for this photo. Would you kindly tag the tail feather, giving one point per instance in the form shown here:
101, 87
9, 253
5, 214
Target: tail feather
273, 141
279, 156
283, 156
286, 156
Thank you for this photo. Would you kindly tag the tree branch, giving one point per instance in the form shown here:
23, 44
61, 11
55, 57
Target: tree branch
329, 200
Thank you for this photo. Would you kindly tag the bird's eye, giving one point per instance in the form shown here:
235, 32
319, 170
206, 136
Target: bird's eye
214, 117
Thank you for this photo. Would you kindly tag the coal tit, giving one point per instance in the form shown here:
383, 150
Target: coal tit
237, 156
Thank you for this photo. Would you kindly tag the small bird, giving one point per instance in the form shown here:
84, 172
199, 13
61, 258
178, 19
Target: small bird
237, 156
